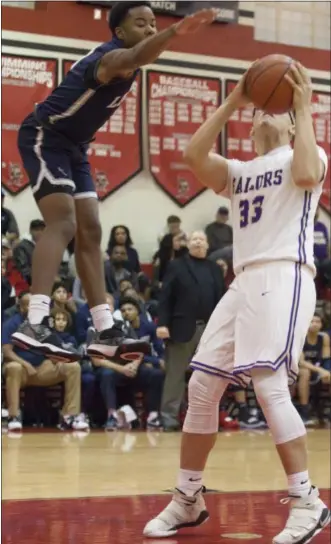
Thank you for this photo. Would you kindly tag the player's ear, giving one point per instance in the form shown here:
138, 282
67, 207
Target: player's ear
119, 32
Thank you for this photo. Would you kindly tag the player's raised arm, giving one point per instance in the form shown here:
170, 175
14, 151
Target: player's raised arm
308, 169
210, 168
116, 63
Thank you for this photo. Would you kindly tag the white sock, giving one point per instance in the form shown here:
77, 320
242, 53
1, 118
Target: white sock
102, 318
151, 416
189, 481
299, 484
38, 308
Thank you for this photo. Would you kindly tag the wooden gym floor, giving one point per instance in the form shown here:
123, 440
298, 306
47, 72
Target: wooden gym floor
101, 488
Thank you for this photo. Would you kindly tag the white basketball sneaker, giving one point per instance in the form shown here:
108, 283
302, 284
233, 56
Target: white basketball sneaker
308, 517
183, 511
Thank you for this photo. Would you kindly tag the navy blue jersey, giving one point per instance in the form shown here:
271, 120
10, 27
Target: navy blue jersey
80, 105
313, 352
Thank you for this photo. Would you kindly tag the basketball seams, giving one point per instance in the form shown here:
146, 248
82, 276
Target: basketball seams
264, 71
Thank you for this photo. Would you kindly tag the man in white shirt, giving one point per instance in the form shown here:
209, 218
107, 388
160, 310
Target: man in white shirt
258, 329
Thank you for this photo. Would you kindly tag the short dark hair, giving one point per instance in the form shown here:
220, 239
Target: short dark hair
129, 300
223, 211
22, 294
57, 286
173, 219
120, 10
37, 224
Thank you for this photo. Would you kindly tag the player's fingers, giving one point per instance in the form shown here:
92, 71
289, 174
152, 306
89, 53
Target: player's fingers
291, 81
303, 72
294, 72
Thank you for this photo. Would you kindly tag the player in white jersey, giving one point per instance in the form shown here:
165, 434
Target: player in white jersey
258, 329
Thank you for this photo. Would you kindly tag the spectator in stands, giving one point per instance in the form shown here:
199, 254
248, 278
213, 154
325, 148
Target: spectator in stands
83, 319
120, 236
171, 247
191, 290
327, 316
24, 250
116, 270
23, 368
322, 254
315, 365
219, 233
145, 374
132, 293
7, 295
61, 301
9, 227
145, 294
62, 325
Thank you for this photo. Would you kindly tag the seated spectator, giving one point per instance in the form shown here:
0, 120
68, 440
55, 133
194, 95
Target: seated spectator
171, 247
141, 328
120, 236
327, 316
61, 301
24, 250
9, 227
322, 254
7, 294
83, 319
145, 374
146, 294
116, 270
219, 233
23, 368
124, 285
132, 293
315, 365
62, 322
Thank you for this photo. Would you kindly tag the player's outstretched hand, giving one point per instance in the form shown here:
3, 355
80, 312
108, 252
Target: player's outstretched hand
193, 23
238, 96
299, 79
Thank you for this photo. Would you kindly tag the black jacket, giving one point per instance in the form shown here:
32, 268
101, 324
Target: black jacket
178, 306
23, 258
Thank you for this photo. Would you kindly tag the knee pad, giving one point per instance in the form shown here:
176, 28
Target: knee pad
205, 392
273, 394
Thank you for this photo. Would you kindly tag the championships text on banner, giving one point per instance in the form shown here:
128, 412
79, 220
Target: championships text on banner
240, 146
177, 106
115, 154
25, 82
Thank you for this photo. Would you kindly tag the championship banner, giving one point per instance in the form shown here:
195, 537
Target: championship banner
115, 155
240, 146
25, 82
177, 106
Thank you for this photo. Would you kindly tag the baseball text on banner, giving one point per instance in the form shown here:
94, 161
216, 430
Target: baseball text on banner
25, 82
240, 146
115, 154
177, 106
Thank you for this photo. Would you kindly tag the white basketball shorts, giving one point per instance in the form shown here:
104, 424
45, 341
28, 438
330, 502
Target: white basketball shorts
261, 322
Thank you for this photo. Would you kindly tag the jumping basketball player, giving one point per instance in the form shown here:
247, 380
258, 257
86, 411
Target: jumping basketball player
258, 329
53, 143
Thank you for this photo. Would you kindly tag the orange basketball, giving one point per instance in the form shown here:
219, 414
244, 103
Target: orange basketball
266, 86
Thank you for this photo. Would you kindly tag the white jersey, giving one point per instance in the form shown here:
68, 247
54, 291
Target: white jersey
273, 219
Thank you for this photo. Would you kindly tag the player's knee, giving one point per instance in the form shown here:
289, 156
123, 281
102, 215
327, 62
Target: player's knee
90, 233
203, 411
66, 227
271, 387
13, 369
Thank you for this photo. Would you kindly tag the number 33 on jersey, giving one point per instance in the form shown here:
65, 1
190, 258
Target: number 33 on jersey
271, 215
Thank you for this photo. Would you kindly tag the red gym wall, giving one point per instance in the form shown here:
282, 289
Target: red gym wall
71, 20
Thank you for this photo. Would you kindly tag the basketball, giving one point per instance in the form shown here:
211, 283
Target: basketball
266, 86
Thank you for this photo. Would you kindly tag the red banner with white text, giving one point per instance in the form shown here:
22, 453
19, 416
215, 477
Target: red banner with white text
115, 155
177, 106
25, 82
240, 146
